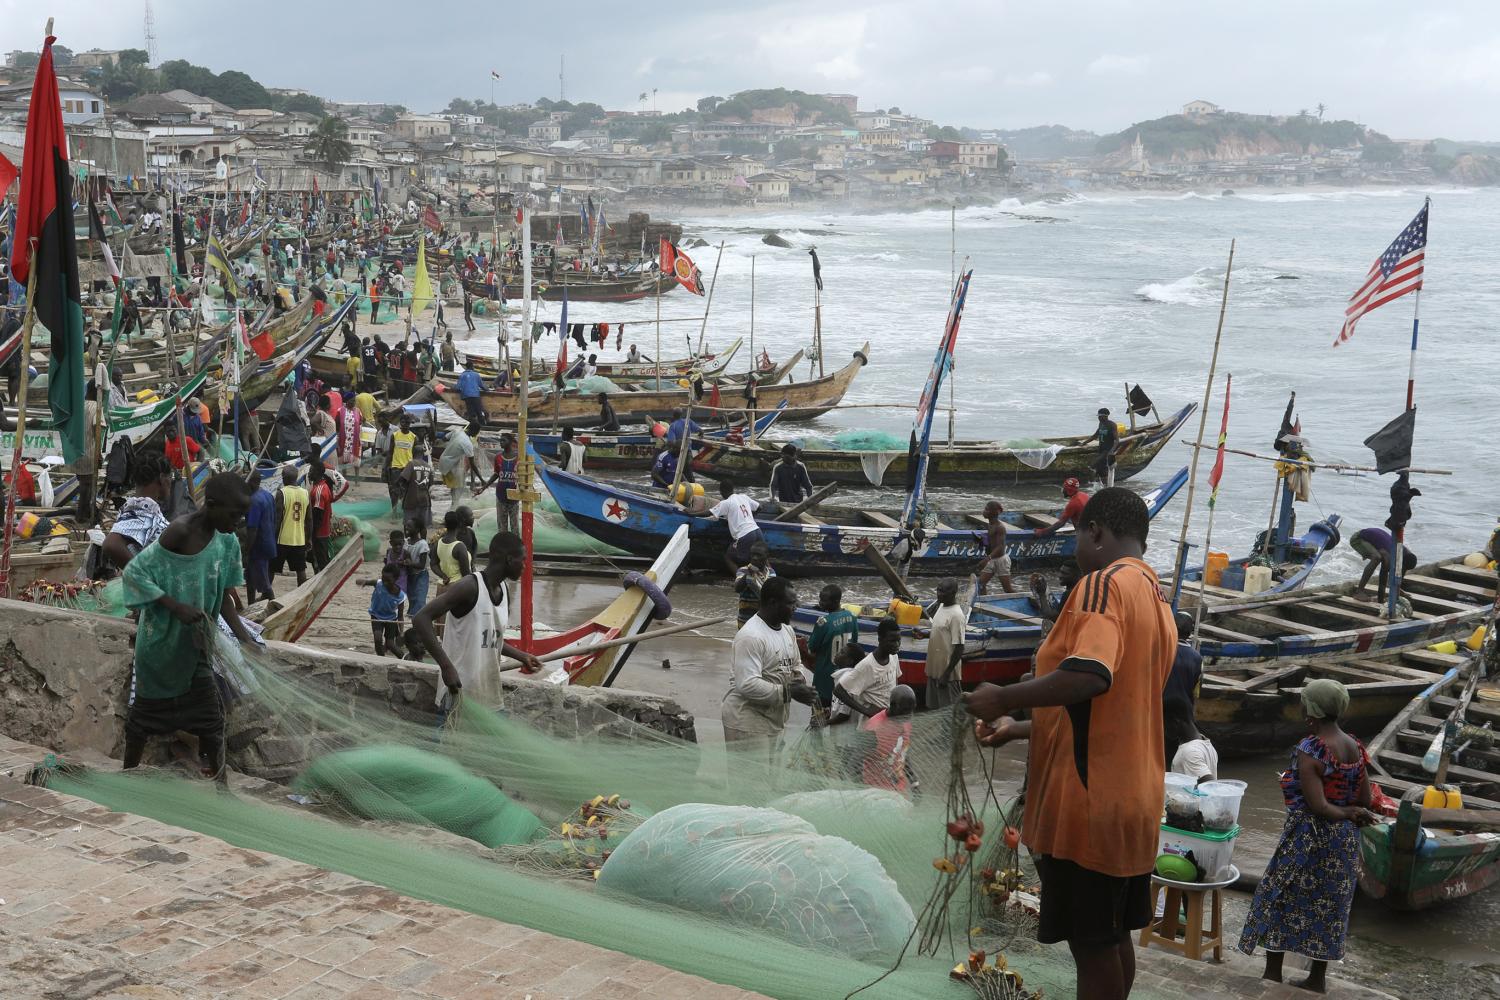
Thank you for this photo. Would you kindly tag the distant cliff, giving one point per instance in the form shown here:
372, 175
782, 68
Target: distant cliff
1232, 136
1048, 142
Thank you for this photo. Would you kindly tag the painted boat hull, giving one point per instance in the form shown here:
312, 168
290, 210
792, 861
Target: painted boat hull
627, 615
639, 524
297, 610
976, 463
804, 400
1444, 866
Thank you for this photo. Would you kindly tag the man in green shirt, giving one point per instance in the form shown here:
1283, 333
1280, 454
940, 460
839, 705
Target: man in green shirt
179, 585
836, 629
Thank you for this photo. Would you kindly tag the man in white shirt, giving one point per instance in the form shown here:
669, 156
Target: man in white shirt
766, 674
944, 674
590, 367
738, 511
866, 687
1194, 755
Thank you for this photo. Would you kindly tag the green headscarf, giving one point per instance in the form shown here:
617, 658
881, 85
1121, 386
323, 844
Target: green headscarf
1324, 699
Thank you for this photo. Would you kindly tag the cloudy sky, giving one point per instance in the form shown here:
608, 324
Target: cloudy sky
1413, 70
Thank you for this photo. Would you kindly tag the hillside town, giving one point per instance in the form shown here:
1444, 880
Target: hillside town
807, 149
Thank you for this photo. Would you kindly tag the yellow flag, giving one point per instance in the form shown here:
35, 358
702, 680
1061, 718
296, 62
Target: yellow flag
421, 285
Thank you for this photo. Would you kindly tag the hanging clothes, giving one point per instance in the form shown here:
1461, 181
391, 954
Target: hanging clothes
577, 332
619, 336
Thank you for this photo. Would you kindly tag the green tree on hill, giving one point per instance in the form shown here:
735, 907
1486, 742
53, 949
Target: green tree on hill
303, 102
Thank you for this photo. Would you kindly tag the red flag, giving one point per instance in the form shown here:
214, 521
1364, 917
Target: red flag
680, 266
430, 218
518, 216
44, 216
263, 344
8, 174
316, 192
1218, 470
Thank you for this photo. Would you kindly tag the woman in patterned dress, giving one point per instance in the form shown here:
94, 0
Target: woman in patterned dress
1302, 903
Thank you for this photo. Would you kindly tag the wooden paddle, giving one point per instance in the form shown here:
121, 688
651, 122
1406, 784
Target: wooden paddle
792, 513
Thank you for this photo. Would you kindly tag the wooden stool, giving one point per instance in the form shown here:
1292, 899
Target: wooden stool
1164, 930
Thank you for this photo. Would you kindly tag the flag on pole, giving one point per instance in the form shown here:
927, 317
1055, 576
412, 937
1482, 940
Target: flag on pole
680, 266
44, 213
494, 75
421, 284
8, 174
1394, 273
430, 219
562, 336
1392, 443
1218, 469
217, 259
259, 338
96, 233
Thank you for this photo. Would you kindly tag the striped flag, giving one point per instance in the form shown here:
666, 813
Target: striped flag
1394, 273
44, 215
1218, 470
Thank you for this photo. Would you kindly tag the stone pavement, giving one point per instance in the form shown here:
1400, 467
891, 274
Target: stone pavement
99, 905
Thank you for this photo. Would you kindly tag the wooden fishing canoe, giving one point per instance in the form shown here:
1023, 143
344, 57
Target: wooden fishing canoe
804, 400
1428, 856
980, 463
627, 615
288, 617
1302, 557
825, 541
712, 365
1328, 623
1250, 708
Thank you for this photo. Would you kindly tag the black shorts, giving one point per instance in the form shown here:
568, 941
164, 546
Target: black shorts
1086, 907
745, 543
199, 710
292, 557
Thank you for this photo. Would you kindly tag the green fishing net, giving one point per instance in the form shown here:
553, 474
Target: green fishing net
765, 869
409, 785
854, 441
785, 873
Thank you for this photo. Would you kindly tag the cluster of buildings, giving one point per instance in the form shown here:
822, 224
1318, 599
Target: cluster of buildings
185, 137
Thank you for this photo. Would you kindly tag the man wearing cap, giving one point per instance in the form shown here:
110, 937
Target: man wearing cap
790, 482
1072, 510
1108, 436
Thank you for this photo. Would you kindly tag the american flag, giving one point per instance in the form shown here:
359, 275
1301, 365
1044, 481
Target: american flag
1394, 273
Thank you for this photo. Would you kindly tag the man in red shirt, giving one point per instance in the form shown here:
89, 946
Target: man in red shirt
174, 448
1072, 511
322, 512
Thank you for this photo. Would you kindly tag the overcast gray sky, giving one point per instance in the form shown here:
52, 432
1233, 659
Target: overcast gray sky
1413, 70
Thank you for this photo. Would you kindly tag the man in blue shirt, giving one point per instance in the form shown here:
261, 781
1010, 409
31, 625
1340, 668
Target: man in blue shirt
679, 426
470, 385
260, 541
664, 469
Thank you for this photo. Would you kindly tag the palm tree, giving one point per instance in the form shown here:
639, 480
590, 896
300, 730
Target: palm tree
1321, 108
330, 143
1303, 114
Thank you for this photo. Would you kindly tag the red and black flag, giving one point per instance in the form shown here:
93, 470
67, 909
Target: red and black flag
680, 266
44, 218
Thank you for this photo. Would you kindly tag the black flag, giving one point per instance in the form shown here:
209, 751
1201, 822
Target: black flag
817, 270
1140, 403
1288, 429
1392, 443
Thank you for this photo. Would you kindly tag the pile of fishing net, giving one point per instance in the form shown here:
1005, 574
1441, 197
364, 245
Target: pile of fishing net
784, 875
854, 441
765, 869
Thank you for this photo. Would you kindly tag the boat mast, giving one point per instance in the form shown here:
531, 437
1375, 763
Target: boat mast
952, 279
1213, 499
752, 343
1208, 387
703, 330
525, 490
926, 406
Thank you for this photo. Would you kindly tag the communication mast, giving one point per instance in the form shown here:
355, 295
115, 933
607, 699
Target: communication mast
562, 78
150, 35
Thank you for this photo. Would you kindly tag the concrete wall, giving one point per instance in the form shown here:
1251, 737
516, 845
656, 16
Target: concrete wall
64, 678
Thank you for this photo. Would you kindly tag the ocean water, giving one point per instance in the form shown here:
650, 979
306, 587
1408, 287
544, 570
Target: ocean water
1071, 301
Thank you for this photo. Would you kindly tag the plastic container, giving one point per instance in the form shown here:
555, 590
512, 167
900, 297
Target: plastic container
1442, 797
1183, 803
1257, 579
1213, 568
1210, 852
1233, 578
906, 614
1221, 804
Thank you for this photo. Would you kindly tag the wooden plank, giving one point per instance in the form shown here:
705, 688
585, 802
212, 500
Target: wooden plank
1455, 771
809, 519
1363, 618
1040, 520
1280, 624
1449, 586
1009, 615
1441, 604
1348, 672
1470, 573
1272, 678
1465, 820
792, 513
1393, 786
1227, 635
1439, 662
880, 520
888, 573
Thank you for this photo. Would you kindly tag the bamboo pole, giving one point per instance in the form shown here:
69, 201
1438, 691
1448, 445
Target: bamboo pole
658, 329
1331, 466
752, 347
709, 303
21, 407
1208, 533
1213, 364
583, 647
525, 490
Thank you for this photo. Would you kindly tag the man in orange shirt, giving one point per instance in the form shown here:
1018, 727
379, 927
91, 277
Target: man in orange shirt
1094, 782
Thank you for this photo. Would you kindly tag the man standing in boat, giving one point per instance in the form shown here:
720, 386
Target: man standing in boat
790, 483
1375, 546
471, 389
996, 560
1108, 436
738, 511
